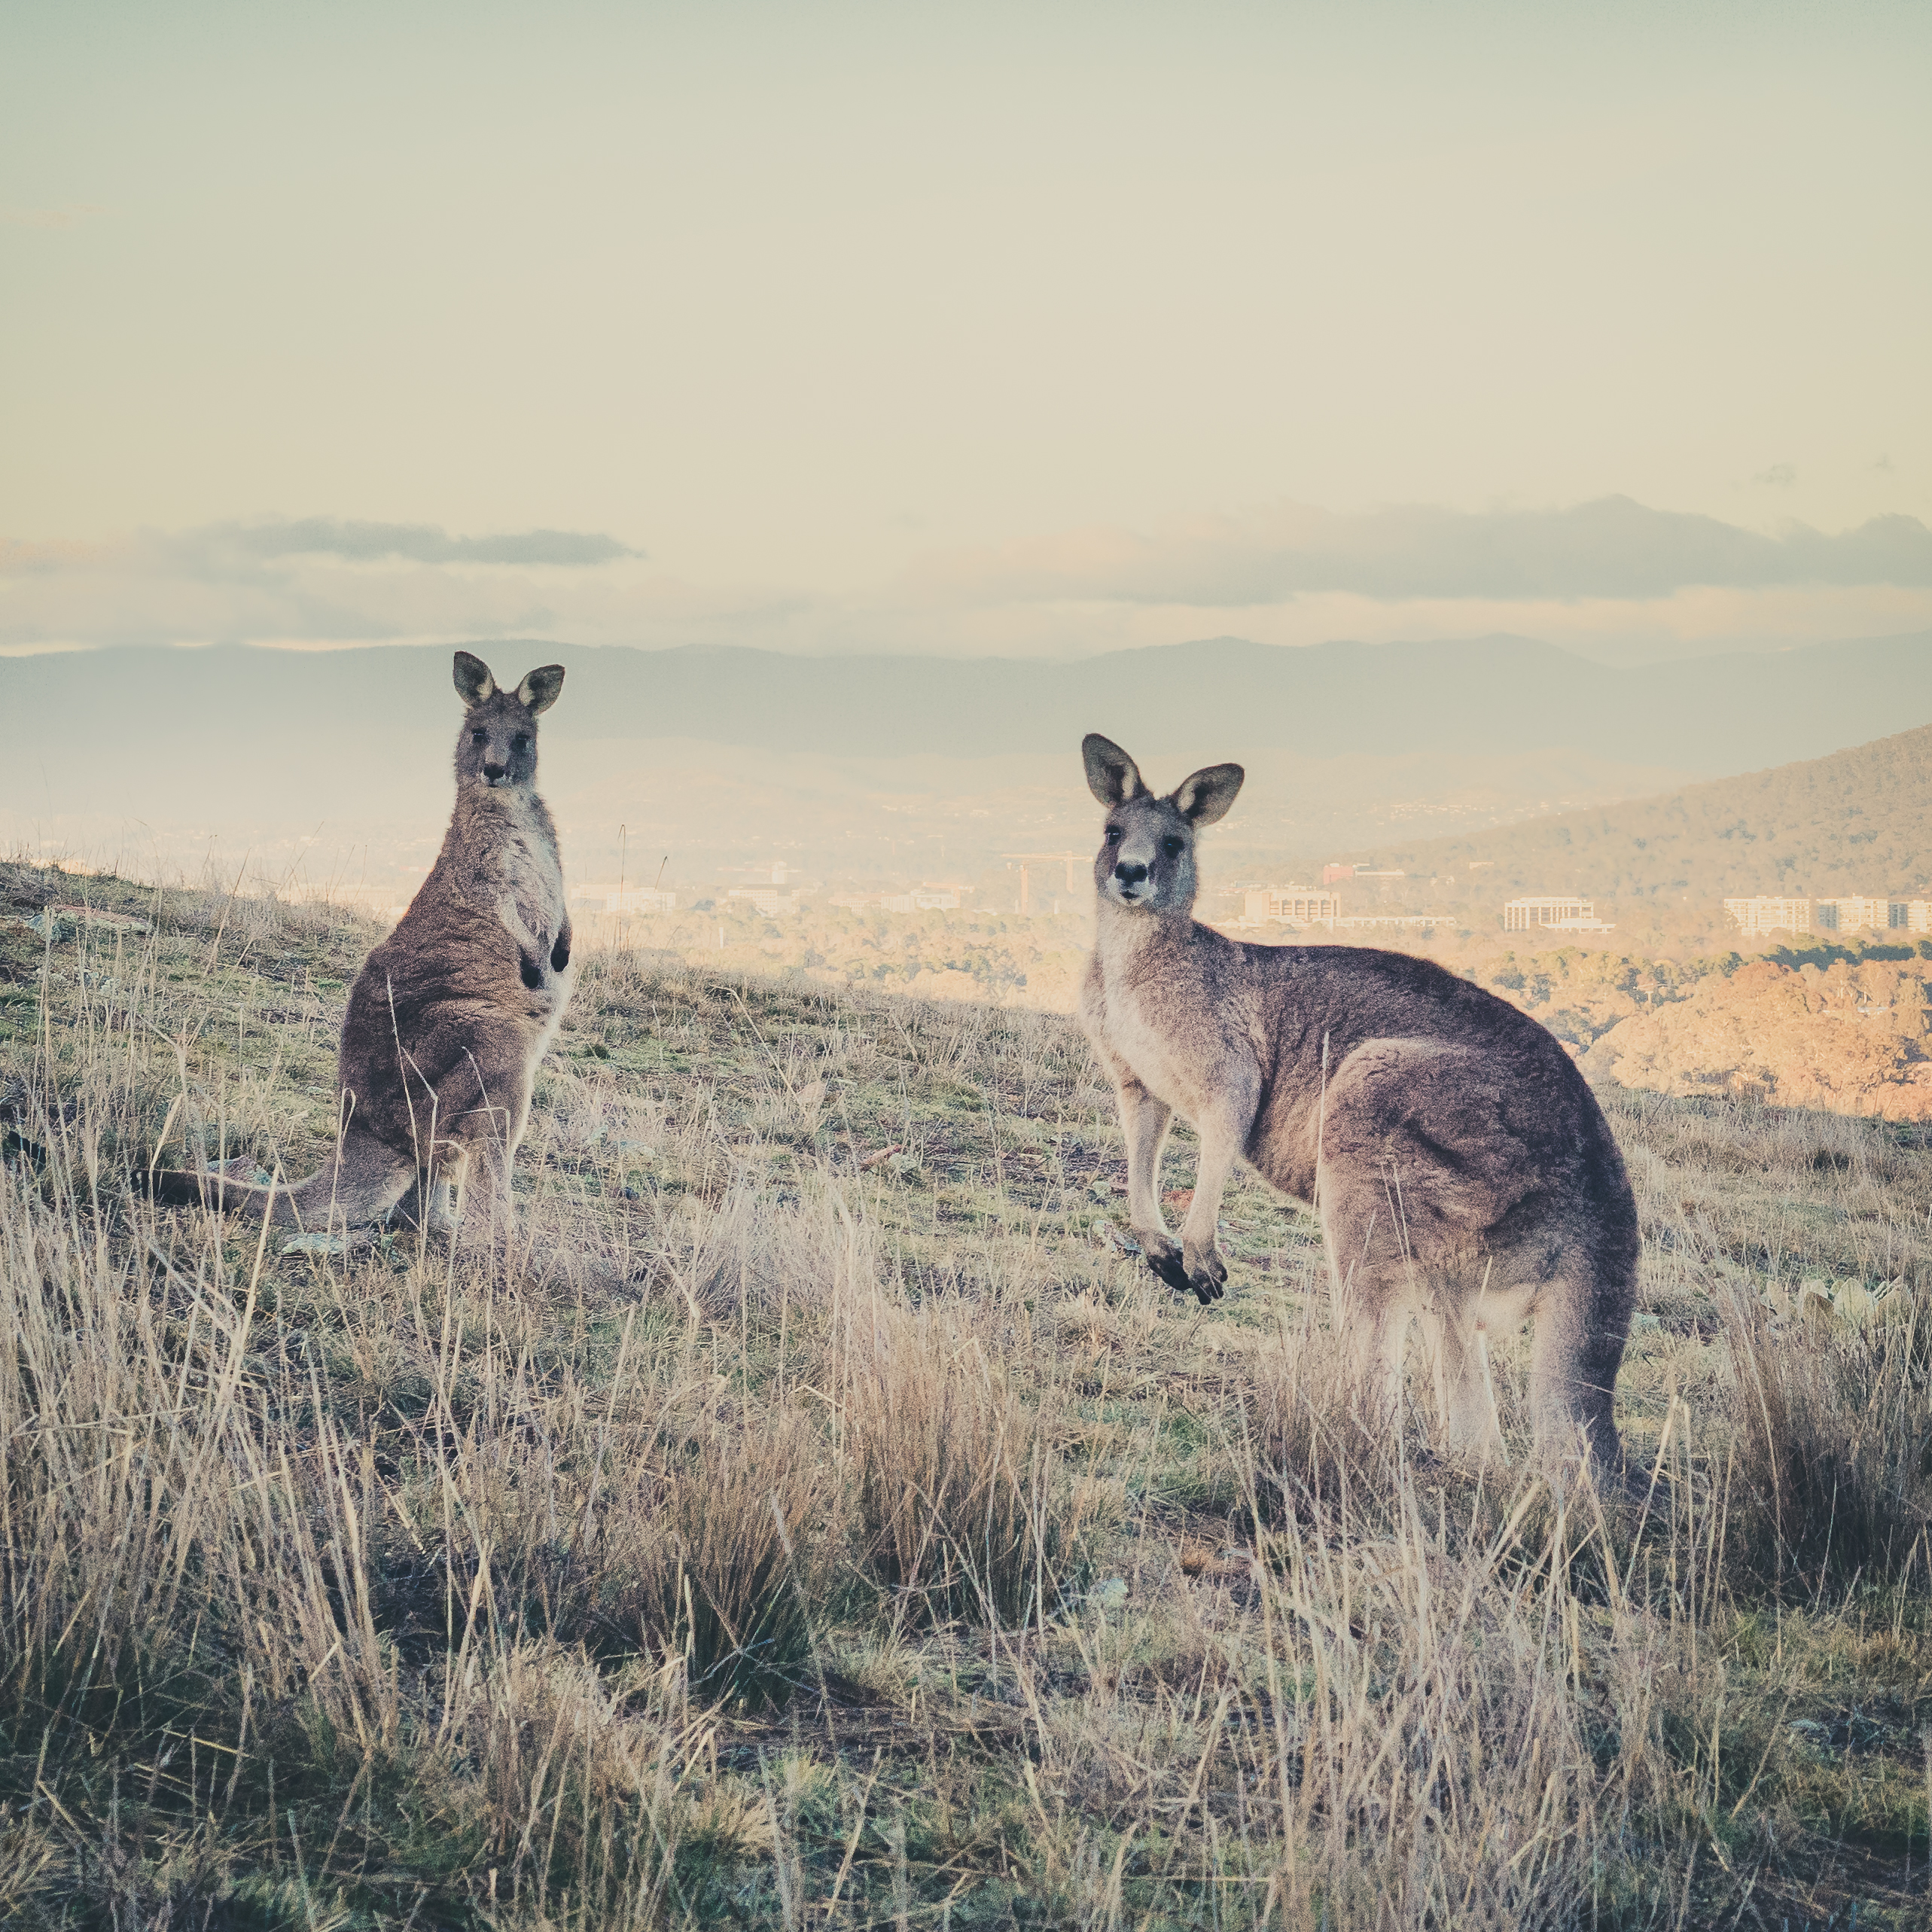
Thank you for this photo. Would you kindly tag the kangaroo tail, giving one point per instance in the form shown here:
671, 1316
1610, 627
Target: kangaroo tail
363, 1181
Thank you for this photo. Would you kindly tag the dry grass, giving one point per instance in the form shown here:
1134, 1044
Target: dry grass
785, 1540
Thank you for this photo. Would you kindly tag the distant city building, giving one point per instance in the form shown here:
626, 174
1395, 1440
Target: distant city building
766, 899
622, 899
1765, 914
920, 899
1555, 913
1853, 915
1333, 875
1288, 905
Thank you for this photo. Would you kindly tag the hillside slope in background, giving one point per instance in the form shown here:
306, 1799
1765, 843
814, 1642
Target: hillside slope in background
1858, 821
1851, 1036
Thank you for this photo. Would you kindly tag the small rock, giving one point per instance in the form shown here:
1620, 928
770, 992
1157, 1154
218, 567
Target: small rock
315, 1243
1853, 1302
1110, 1594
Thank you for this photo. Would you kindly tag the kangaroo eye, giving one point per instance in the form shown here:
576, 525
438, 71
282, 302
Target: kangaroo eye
479, 737
522, 740
1112, 835
1170, 845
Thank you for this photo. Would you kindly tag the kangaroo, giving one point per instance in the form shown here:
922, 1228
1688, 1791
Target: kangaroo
1461, 1168
450, 1015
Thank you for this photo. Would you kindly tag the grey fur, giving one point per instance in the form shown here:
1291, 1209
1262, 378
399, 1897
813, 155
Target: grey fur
1462, 1171
451, 1014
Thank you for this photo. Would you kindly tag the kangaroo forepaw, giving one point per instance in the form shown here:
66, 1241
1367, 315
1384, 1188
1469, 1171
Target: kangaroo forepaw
1209, 1287
1162, 1253
1170, 1268
1207, 1274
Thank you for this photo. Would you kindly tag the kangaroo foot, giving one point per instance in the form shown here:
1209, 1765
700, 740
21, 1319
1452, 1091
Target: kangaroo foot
1162, 1255
1207, 1274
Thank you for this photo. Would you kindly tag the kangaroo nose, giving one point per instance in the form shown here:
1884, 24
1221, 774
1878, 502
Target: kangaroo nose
1130, 872
493, 772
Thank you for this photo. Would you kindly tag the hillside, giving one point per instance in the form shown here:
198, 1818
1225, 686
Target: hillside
1856, 1037
822, 1520
1858, 821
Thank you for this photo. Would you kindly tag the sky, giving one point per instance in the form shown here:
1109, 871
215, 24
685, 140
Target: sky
1041, 329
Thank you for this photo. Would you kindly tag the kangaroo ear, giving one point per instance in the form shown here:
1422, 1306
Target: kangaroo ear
1111, 775
474, 682
1207, 796
539, 689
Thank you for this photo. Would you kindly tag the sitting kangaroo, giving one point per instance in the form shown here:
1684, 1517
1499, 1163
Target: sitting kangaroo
1461, 1168
451, 1014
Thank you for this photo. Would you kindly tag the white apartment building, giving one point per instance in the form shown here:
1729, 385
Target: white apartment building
1288, 905
1854, 915
1766, 914
920, 899
622, 899
766, 899
1555, 911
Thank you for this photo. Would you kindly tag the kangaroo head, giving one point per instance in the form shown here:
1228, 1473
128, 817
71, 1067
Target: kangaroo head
1146, 858
497, 746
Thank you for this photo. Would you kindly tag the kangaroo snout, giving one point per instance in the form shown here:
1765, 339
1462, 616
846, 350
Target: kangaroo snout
1130, 872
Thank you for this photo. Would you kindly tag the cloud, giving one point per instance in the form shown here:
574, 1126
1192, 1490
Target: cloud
1613, 547
313, 580
1611, 577
1779, 476
420, 543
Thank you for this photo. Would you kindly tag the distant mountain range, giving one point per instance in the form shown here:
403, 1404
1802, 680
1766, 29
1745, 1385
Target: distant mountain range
1859, 822
718, 755
1711, 715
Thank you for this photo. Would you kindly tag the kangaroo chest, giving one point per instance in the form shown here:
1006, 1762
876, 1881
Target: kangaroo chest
533, 876
1171, 1047
511, 866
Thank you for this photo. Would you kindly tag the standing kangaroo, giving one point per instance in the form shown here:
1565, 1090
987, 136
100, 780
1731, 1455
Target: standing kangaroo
1462, 1169
451, 1014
